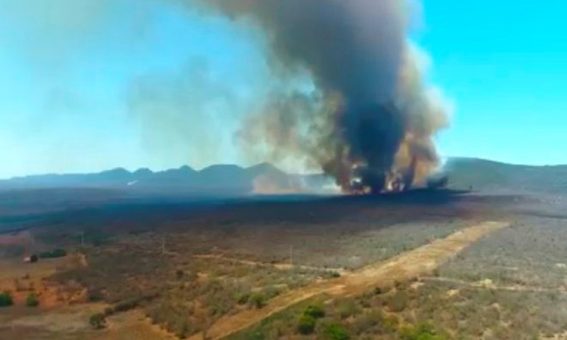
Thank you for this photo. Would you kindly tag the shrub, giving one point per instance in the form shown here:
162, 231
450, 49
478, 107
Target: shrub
257, 300
94, 295
420, 332
97, 321
126, 305
31, 300
306, 324
335, 331
335, 274
242, 298
6, 299
314, 311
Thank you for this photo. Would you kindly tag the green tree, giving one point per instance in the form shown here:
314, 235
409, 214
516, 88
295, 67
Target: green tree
422, 331
335, 331
6, 299
314, 311
306, 324
32, 300
257, 300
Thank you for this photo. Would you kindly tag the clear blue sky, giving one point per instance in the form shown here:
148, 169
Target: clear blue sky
73, 71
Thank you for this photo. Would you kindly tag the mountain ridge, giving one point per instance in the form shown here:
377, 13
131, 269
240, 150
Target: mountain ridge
463, 173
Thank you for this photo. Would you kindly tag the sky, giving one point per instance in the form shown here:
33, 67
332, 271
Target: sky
80, 88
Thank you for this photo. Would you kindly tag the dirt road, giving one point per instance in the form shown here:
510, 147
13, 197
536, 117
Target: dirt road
420, 261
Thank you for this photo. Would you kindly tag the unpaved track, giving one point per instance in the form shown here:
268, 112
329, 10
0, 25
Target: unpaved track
420, 261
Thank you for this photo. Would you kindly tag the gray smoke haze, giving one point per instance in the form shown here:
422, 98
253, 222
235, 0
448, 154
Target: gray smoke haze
371, 120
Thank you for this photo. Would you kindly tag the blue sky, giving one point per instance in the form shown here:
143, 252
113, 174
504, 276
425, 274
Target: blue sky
71, 79
504, 64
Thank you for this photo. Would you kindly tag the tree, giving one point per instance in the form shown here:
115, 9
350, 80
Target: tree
314, 311
257, 300
422, 331
6, 299
306, 324
32, 300
335, 331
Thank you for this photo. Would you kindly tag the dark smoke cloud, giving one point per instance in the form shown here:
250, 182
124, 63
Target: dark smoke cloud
370, 121
347, 94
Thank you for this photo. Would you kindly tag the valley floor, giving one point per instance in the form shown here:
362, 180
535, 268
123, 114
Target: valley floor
400, 267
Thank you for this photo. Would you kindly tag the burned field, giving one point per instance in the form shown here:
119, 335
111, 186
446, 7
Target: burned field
188, 267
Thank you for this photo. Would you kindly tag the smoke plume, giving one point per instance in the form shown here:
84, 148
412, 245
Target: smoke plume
371, 119
344, 90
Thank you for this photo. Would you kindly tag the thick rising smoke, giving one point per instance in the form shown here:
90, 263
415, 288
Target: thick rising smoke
370, 122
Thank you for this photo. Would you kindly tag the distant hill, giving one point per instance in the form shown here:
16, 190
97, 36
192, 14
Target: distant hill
463, 173
216, 179
490, 176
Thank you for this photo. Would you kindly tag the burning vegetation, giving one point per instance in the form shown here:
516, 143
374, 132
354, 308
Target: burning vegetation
370, 118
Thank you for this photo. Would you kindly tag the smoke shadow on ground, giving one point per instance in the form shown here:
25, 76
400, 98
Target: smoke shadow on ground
268, 212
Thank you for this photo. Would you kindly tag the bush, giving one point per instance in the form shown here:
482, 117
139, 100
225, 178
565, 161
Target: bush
94, 295
126, 305
31, 300
6, 299
257, 300
242, 298
131, 303
97, 321
335, 274
335, 331
420, 332
314, 311
306, 324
